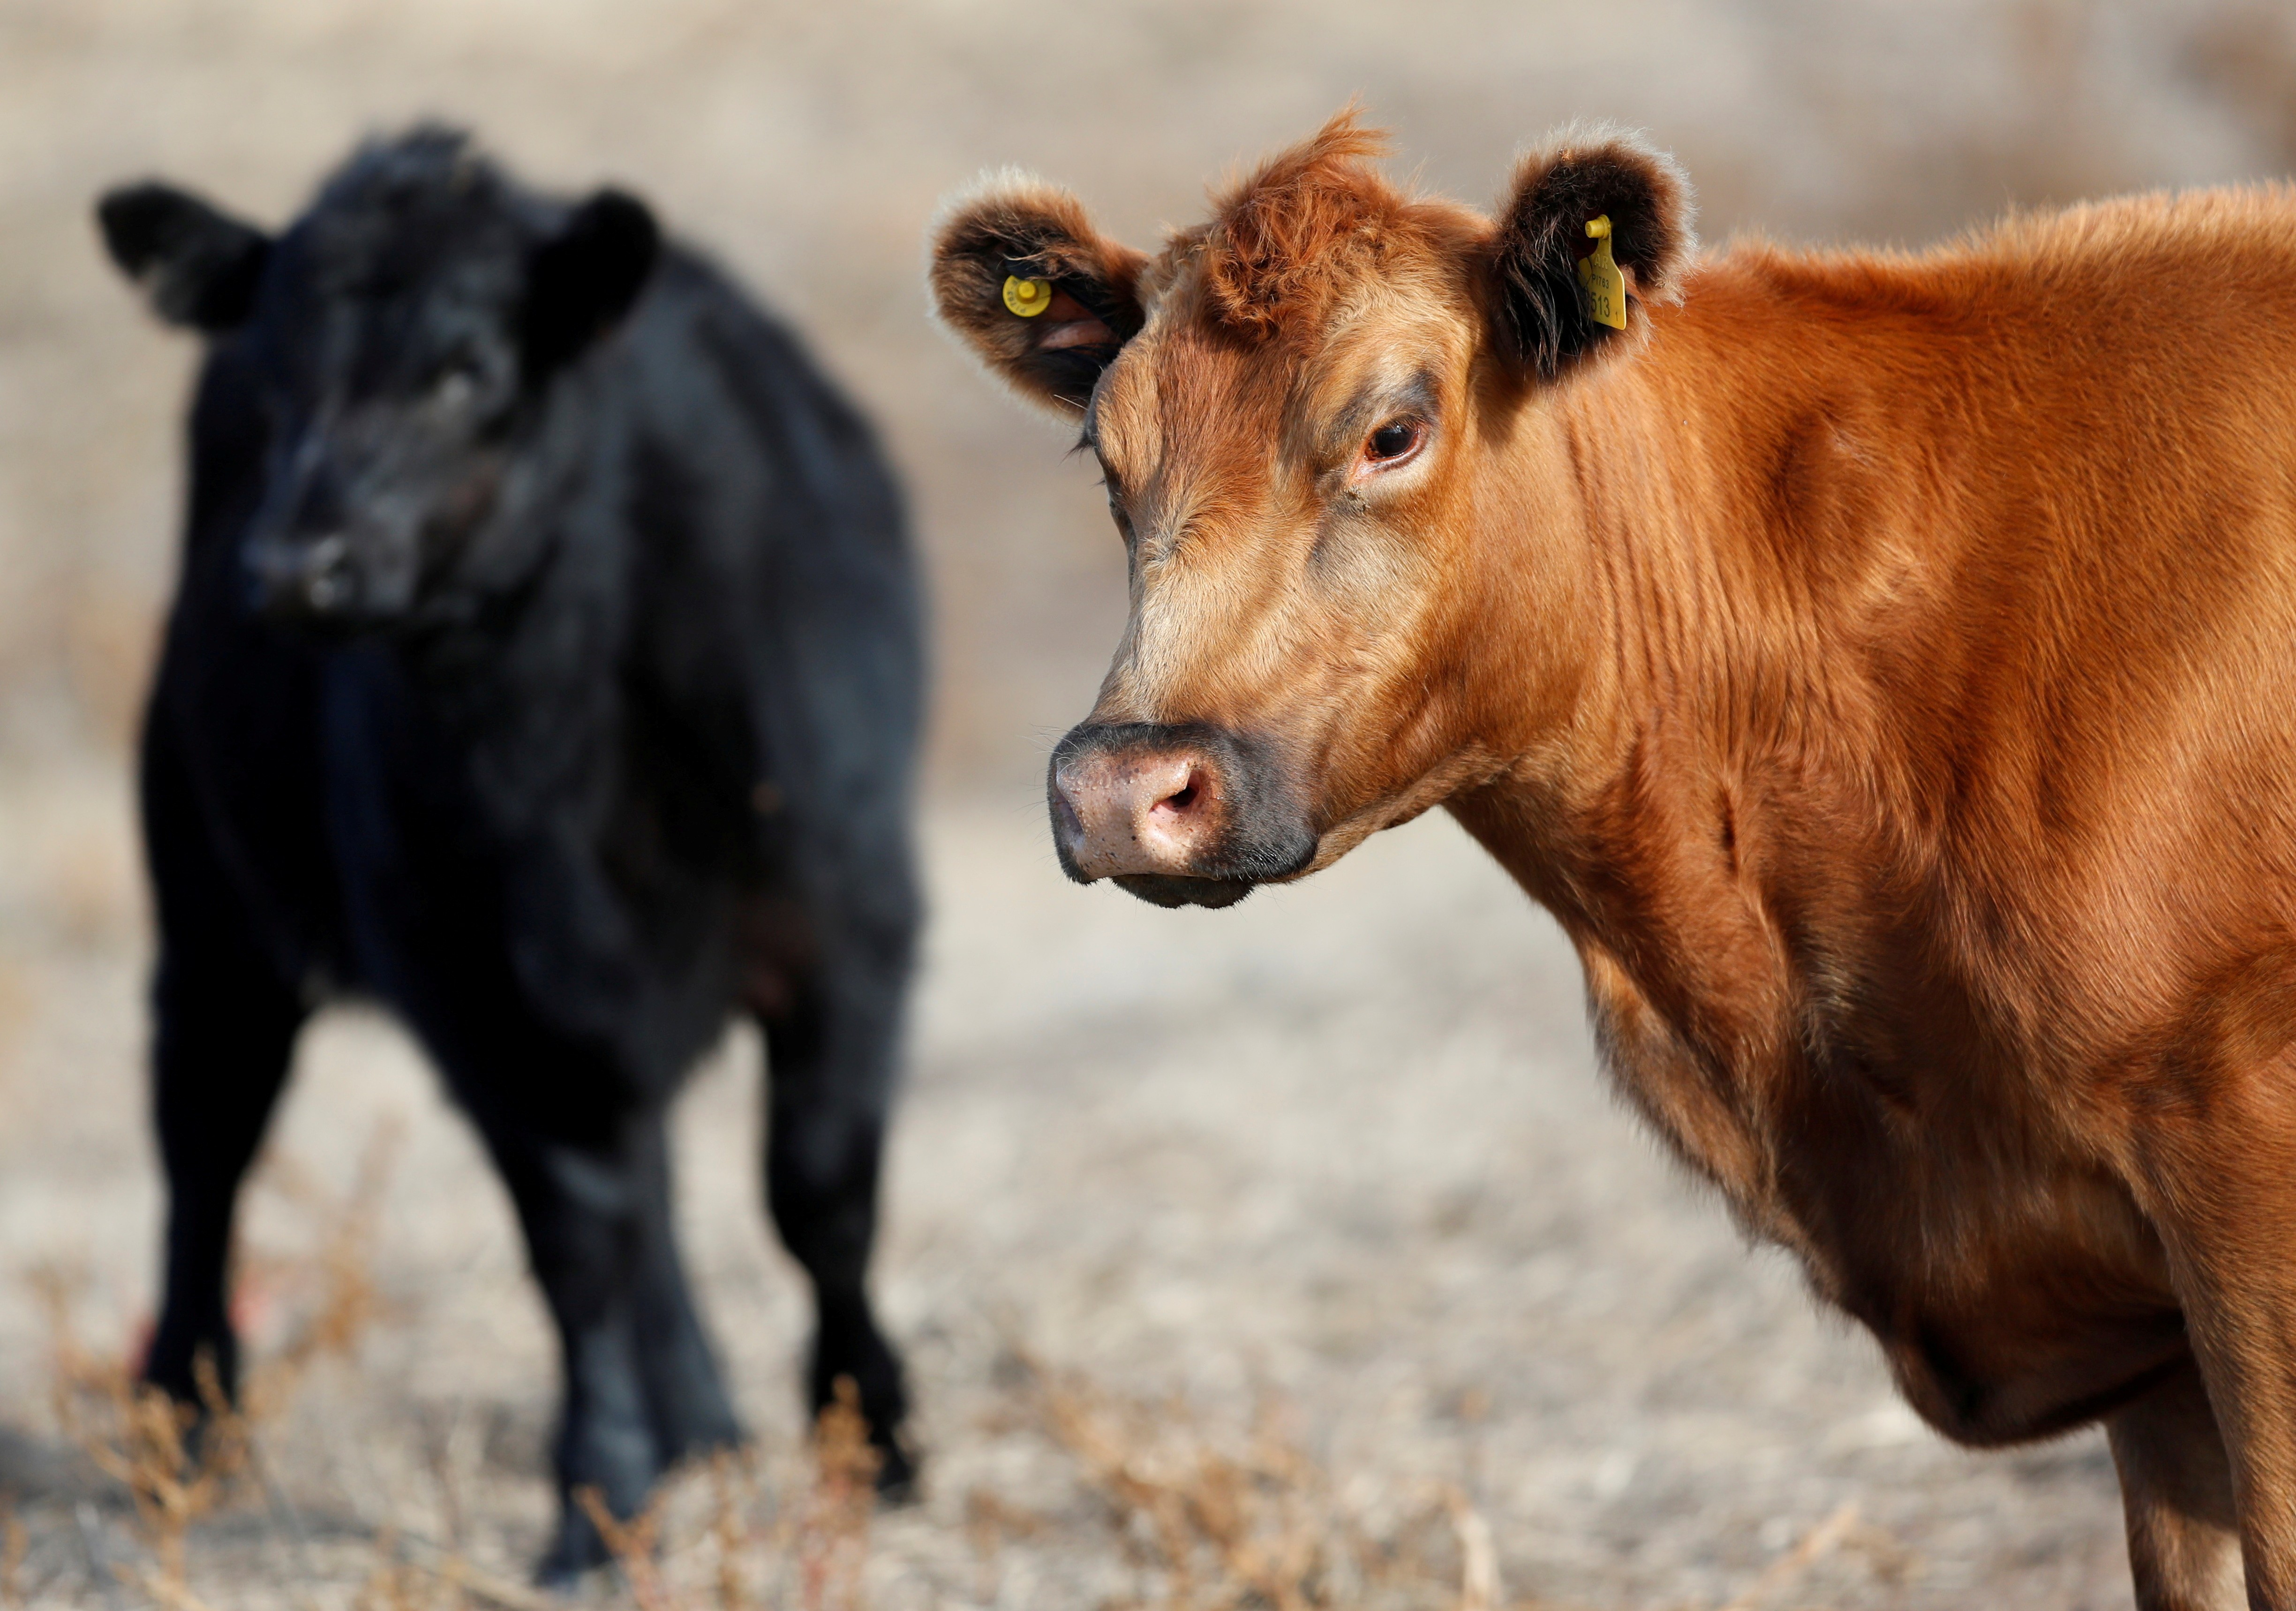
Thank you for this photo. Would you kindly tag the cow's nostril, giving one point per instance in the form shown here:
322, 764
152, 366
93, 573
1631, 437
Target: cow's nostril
1194, 789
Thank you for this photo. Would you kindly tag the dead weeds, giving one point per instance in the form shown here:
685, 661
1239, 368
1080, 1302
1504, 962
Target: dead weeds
1219, 1522
748, 1538
1204, 1516
176, 1463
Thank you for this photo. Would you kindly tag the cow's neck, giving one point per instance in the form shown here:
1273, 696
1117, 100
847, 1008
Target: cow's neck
1724, 745
526, 676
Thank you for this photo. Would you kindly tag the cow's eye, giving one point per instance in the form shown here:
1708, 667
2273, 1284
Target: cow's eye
1394, 442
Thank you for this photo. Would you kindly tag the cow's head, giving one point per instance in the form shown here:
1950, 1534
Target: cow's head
1288, 405
401, 336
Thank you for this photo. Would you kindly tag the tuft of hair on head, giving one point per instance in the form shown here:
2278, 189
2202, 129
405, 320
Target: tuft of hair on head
426, 159
1285, 237
1579, 175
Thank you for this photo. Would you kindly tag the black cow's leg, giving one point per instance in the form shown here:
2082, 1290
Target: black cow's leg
224, 1033
581, 1207
831, 1049
686, 1396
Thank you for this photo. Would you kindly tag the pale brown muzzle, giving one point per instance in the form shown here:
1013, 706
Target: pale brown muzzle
1129, 812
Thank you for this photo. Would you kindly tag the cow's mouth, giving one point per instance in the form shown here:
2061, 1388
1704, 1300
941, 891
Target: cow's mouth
1168, 890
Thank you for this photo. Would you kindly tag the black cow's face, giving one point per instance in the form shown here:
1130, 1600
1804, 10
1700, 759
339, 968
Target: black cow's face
391, 382
402, 336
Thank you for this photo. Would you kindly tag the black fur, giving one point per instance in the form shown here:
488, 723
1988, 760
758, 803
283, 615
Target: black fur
582, 280
1541, 311
545, 665
200, 267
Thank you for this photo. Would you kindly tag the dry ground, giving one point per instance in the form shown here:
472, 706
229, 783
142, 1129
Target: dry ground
1338, 1155
1334, 1166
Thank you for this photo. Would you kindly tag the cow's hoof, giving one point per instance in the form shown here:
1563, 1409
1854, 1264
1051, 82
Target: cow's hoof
573, 1555
896, 1471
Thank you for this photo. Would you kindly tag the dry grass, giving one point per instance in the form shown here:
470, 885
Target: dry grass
177, 1463
1242, 1517
1205, 1512
1212, 1521
751, 1542
1206, 1516
765, 1540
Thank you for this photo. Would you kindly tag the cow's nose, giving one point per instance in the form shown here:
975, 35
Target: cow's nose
1130, 811
308, 577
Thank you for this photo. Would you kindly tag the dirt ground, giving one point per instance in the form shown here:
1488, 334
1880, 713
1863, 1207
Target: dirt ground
1340, 1153
1326, 1191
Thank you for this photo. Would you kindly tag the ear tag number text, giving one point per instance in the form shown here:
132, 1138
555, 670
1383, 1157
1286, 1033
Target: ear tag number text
1027, 298
1598, 277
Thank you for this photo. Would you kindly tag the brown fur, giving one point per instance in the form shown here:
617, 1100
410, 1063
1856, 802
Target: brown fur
1885, 669
1284, 241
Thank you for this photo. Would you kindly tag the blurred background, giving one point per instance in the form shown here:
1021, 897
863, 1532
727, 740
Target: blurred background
1063, 1041
807, 146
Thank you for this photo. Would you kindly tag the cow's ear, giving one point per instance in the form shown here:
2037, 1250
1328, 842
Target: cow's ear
1540, 308
198, 267
581, 280
1023, 278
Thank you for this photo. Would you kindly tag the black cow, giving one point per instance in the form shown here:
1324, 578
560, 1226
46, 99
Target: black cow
545, 665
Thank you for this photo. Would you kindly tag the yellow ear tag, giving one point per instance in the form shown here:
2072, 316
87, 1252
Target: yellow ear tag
1598, 277
1027, 298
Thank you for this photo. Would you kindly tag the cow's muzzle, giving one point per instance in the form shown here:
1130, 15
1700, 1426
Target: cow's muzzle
313, 578
1187, 814
331, 585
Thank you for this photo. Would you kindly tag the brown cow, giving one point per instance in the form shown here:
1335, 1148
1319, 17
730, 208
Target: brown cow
1883, 666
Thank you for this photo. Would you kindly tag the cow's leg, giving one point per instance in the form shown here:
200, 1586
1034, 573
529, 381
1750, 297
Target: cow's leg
224, 1033
686, 1395
581, 1205
831, 1046
2242, 1321
2220, 1184
2176, 1486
